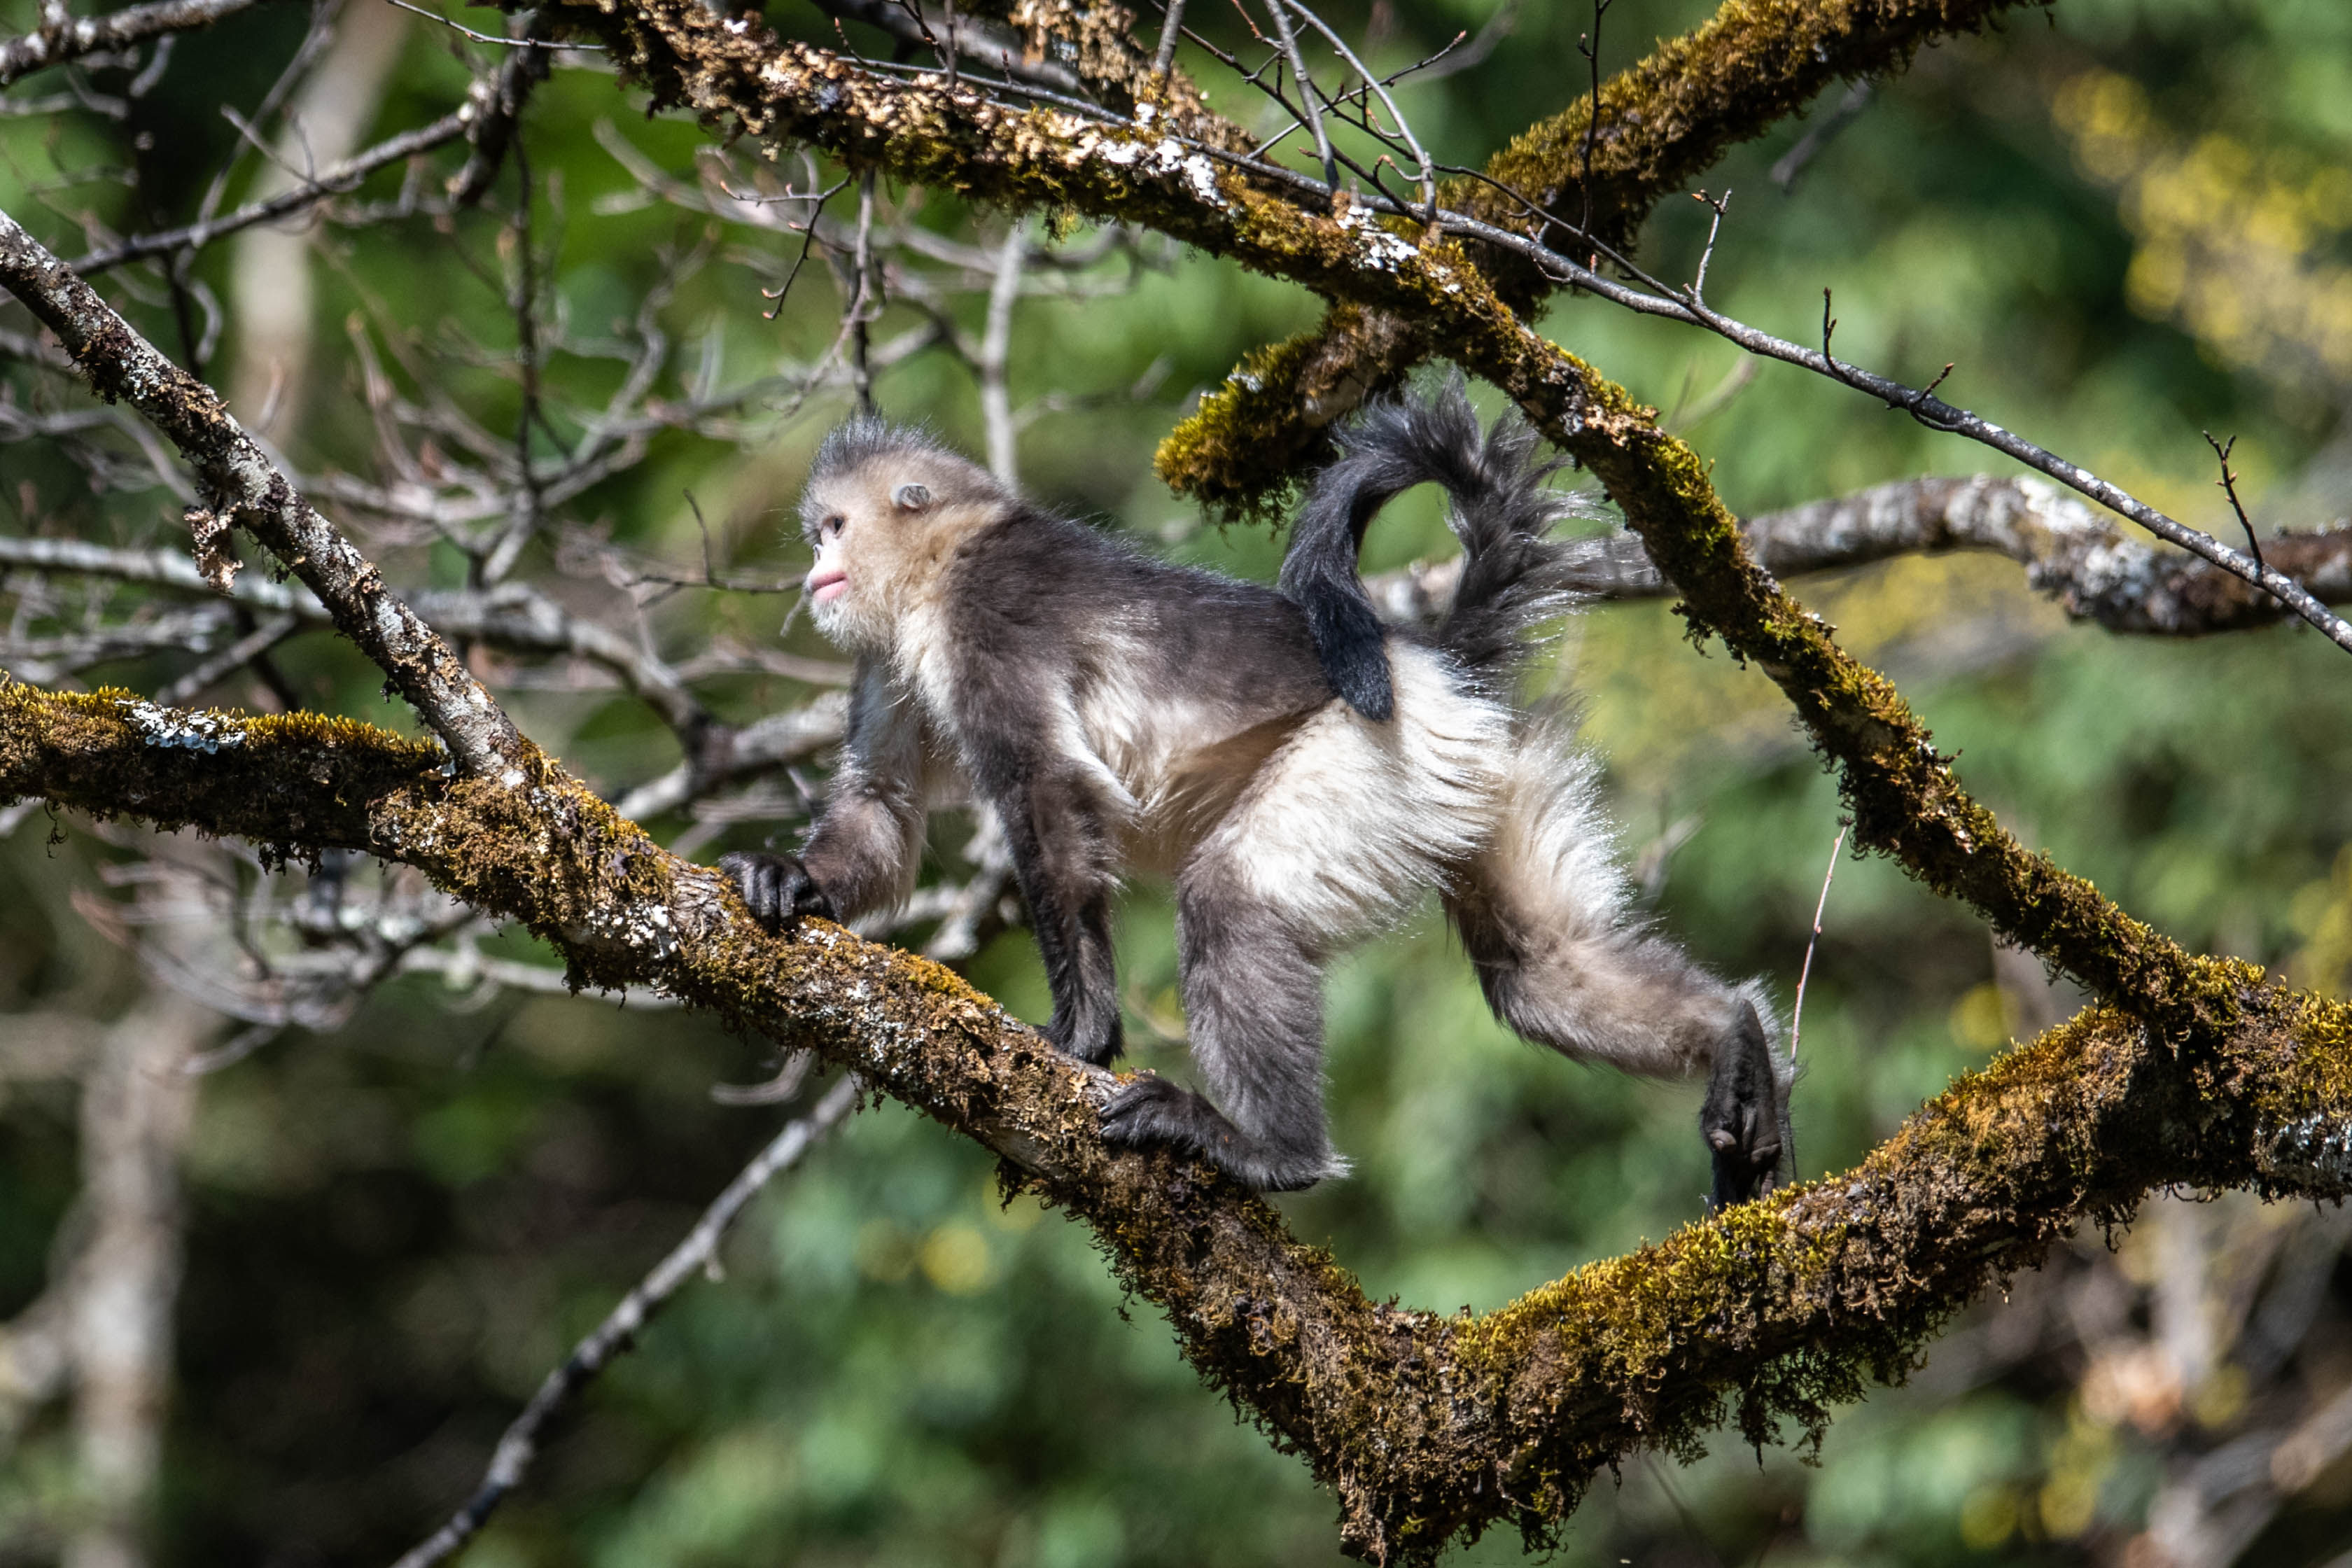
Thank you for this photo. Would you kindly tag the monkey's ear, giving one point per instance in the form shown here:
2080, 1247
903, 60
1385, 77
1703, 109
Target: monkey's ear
910, 498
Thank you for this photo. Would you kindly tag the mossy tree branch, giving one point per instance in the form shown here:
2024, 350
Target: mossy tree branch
1429, 1428
1661, 122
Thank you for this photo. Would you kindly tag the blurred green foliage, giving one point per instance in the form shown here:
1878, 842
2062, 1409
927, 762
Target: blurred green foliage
397, 1228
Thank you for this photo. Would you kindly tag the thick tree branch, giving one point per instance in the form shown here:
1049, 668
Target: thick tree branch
244, 487
2070, 552
1662, 122
1428, 1427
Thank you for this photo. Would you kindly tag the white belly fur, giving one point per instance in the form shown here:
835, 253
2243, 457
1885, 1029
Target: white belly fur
1346, 822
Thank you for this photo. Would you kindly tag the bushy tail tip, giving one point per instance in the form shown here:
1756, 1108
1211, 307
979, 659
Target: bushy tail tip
1512, 570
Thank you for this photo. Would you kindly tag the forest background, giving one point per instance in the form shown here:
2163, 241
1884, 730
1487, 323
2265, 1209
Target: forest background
2125, 222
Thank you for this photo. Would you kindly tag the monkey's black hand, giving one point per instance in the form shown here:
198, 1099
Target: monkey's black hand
777, 887
1743, 1117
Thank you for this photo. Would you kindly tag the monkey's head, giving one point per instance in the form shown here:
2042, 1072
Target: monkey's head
884, 508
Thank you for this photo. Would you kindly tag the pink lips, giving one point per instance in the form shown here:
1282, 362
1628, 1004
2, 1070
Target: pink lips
827, 586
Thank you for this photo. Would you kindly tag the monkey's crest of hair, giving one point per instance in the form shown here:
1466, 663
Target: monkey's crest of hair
1515, 574
863, 439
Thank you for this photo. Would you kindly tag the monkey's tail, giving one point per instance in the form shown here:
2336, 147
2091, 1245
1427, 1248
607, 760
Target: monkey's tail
1514, 573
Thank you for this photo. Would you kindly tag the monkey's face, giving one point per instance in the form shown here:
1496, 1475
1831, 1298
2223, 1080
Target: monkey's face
882, 534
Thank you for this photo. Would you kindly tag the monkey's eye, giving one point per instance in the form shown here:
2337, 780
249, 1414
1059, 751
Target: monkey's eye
830, 529
910, 498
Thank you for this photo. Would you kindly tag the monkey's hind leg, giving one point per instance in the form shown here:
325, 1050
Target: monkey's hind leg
1543, 912
1254, 1007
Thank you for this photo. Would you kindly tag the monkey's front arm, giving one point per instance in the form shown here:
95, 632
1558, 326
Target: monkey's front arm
865, 849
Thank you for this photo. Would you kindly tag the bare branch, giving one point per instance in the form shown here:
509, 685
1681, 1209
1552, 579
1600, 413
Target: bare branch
2228, 485
344, 176
245, 484
2069, 551
1310, 110
995, 351
67, 38
1172, 28
497, 102
620, 1328
774, 741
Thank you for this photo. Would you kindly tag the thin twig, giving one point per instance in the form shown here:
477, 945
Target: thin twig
344, 176
516, 1450
486, 37
1797, 1012
1424, 175
2228, 484
526, 506
808, 237
60, 37
245, 651
1454, 58
1717, 206
1289, 41
1588, 46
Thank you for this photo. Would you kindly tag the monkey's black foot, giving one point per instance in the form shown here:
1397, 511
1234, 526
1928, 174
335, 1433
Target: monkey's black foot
1743, 1117
777, 888
1153, 1112
1096, 1040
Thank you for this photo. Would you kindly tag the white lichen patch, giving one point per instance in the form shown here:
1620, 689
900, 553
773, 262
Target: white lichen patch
642, 928
2313, 1153
1166, 157
1384, 251
190, 729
